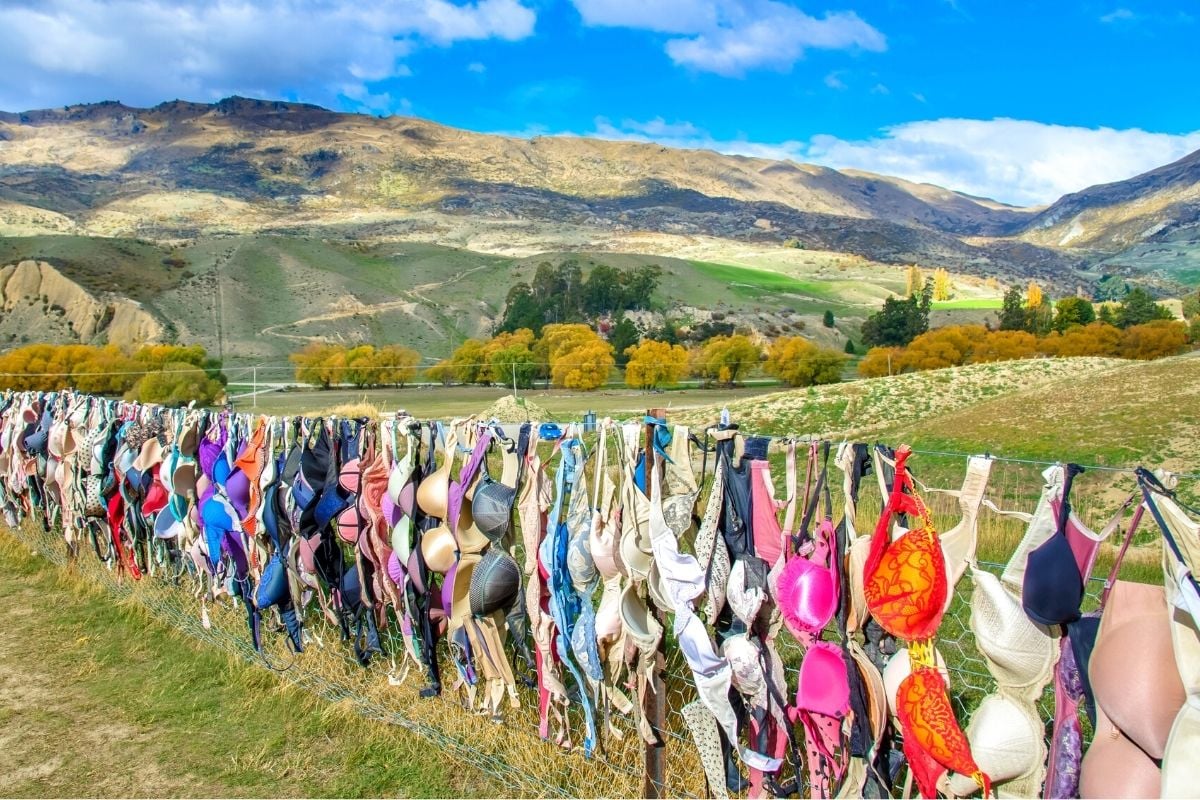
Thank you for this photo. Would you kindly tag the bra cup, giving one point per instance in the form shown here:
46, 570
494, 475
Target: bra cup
1135, 680
608, 615
856, 562
1114, 766
639, 623
677, 511
959, 543
433, 493
438, 548
398, 477
807, 595
872, 680
823, 685
395, 569
917, 612
401, 538
1007, 742
899, 667
1053, 588
408, 499
603, 547
1019, 652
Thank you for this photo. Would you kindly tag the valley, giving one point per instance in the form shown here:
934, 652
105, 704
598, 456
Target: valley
254, 227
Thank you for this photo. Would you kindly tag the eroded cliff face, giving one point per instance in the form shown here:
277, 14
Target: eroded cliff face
40, 304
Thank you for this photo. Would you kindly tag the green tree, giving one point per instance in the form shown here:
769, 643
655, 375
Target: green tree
1110, 287
668, 332
1138, 308
1012, 311
849, 348
1107, 315
522, 310
898, 322
827, 319
1073, 311
623, 335
1191, 305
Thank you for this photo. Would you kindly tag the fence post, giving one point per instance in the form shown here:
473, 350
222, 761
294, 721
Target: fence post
654, 707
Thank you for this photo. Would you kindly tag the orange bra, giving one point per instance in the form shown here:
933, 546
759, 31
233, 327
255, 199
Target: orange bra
905, 586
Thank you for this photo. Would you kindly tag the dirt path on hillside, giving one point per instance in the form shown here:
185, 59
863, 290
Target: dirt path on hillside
354, 308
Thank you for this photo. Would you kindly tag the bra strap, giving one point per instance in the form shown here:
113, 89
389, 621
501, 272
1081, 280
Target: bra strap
1116, 567
789, 517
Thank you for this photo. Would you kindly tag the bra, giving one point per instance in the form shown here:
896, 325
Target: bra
1053, 586
823, 686
905, 581
433, 492
1018, 652
808, 588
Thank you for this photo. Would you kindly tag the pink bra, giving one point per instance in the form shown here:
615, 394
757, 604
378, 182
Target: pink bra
824, 686
808, 587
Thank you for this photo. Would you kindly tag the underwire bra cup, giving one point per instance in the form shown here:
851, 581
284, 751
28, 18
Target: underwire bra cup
823, 687
914, 561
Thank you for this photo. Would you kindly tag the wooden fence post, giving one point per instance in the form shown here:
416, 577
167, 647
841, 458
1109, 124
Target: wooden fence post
654, 707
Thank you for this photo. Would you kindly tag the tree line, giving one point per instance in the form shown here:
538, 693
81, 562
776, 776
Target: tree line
955, 345
1028, 309
574, 356
161, 373
562, 294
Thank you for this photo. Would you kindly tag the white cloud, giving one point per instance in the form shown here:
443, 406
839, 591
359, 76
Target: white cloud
146, 51
1118, 15
1014, 161
476, 67
834, 81
732, 37
657, 129
663, 16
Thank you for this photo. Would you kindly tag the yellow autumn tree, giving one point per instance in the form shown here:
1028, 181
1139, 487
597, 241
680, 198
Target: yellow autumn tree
724, 359
798, 362
1033, 295
914, 281
943, 287
584, 365
319, 364
881, 361
653, 364
394, 365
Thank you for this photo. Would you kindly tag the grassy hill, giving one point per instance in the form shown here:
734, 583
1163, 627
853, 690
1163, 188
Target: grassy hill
256, 298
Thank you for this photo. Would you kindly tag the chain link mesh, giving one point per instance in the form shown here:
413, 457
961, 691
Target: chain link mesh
513, 754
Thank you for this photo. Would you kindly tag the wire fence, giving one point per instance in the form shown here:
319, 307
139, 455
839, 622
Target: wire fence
512, 754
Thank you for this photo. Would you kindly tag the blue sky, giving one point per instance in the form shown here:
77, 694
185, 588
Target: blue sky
1021, 101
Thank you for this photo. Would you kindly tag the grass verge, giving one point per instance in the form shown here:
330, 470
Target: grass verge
101, 699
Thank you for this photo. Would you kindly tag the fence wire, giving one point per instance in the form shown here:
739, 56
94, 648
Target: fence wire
512, 754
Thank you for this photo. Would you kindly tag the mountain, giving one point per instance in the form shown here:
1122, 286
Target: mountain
255, 226
1154, 206
182, 169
